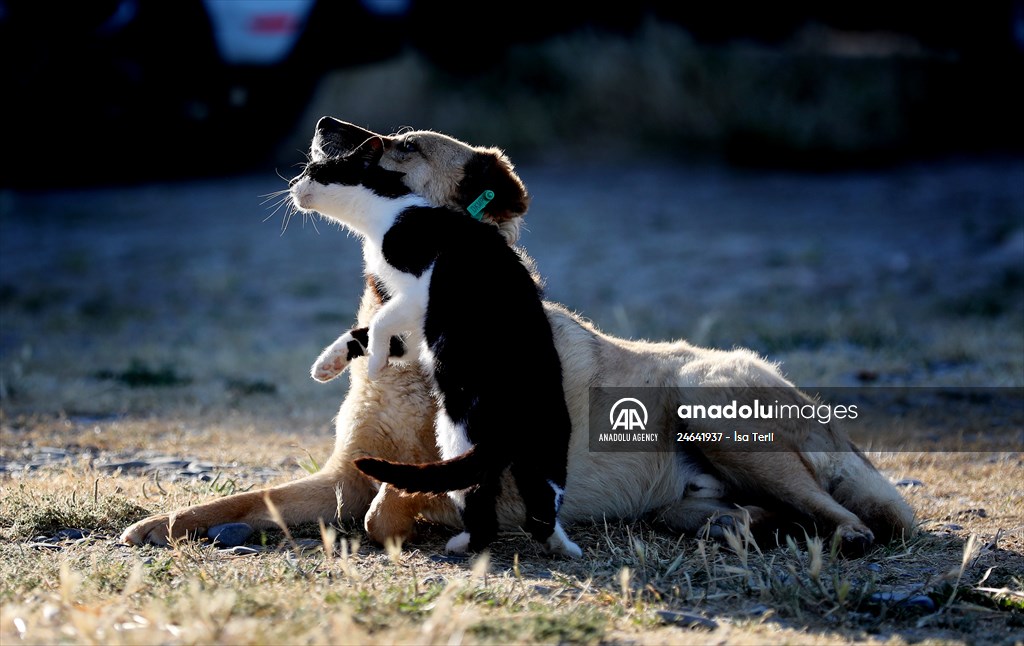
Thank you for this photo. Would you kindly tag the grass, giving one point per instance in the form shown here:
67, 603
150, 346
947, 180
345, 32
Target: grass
637, 582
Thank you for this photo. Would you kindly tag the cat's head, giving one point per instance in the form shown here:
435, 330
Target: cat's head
441, 169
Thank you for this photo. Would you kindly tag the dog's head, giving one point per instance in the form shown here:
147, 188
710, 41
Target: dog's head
441, 169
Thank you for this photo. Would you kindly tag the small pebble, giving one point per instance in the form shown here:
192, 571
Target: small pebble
434, 579
952, 527
230, 534
168, 462
980, 513
67, 534
48, 546
686, 619
909, 482
200, 467
903, 600
874, 567
125, 466
242, 550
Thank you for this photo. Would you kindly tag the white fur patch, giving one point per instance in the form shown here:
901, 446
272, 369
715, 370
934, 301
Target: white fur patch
402, 315
559, 495
458, 544
452, 440
355, 207
559, 543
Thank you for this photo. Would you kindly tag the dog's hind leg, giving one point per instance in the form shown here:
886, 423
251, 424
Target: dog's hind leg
859, 487
393, 514
787, 477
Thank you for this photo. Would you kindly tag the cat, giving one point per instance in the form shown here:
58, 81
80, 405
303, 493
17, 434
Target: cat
468, 307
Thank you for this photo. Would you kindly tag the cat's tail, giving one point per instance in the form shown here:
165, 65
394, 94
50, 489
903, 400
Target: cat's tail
460, 472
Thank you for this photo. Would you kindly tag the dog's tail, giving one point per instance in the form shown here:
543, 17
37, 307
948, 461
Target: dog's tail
457, 473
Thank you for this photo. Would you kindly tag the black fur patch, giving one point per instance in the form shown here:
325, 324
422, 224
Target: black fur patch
336, 137
355, 349
397, 347
413, 243
386, 183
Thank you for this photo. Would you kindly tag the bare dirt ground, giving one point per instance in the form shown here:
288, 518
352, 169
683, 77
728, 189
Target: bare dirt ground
168, 330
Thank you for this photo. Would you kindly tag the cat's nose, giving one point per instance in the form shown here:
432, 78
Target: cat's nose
293, 181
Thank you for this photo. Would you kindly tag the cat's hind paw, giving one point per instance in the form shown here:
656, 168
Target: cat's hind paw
458, 544
559, 544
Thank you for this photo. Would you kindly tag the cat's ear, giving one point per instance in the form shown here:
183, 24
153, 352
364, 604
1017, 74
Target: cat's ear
369, 152
490, 170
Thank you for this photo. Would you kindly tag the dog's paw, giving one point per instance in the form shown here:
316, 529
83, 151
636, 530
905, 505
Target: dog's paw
458, 544
720, 524
336, 357
854, 539
160, 529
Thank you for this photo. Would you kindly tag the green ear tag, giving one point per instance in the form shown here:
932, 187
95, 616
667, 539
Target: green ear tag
476, 209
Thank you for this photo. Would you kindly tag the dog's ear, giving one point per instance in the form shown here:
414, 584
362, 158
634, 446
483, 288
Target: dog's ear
490, 170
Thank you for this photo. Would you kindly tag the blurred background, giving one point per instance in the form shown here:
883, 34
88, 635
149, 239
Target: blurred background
156, 89
839, 186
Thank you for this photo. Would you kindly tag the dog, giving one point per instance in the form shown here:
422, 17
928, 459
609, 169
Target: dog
814, 474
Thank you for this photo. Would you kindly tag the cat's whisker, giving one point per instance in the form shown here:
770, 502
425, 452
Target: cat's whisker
270, 196
312, 221
285, 201
287, 179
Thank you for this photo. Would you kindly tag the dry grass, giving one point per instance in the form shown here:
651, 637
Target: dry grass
636, 583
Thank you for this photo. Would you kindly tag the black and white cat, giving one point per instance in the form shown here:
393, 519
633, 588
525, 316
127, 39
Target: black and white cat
468, 307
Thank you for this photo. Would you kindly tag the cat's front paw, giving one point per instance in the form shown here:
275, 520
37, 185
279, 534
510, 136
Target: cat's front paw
376, 364
336, 357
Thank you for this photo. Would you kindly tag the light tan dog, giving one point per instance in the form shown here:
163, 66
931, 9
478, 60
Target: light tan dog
814, 472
